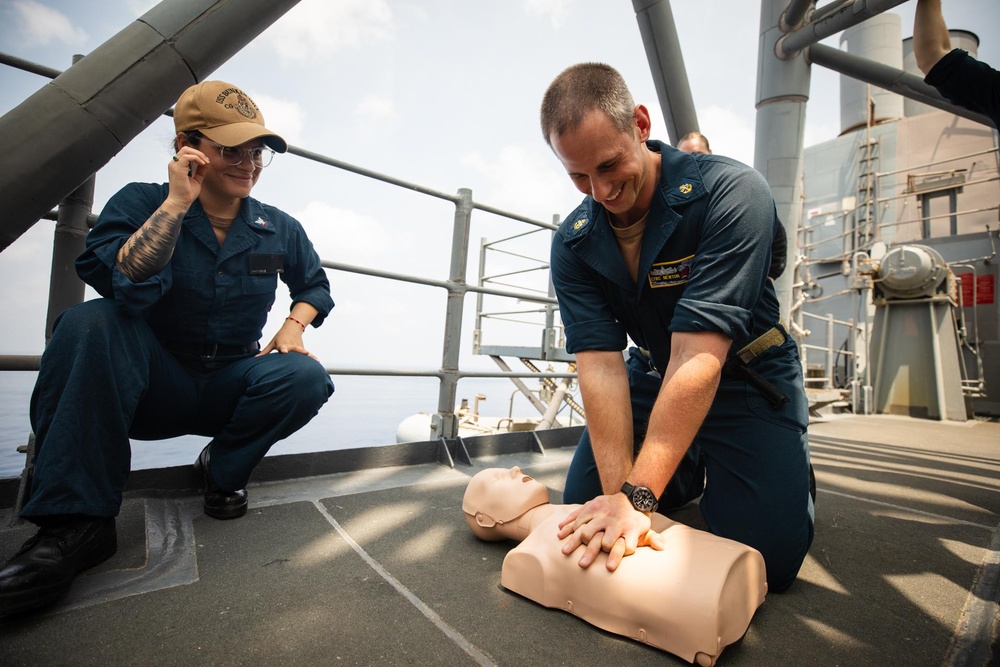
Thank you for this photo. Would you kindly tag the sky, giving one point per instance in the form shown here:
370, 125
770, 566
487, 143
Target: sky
440, 93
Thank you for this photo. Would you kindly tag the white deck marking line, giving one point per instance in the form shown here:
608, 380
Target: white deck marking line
970, 645
463, 643
908, 509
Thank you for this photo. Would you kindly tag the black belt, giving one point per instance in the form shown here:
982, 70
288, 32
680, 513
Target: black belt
773, 337
738, 364
211, 350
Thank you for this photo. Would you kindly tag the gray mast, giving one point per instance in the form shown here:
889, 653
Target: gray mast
782, 93
663, 50
72, 126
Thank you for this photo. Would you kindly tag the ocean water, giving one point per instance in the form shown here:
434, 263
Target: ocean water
363, 412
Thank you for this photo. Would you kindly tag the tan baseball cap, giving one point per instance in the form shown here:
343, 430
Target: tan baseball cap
224, 114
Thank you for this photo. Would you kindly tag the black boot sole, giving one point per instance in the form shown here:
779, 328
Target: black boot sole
40, 596
221, 513
227, 513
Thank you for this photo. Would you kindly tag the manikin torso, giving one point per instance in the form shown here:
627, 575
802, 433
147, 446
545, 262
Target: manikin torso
692, 599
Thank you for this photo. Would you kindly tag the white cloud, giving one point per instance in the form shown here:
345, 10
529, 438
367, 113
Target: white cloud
316, 28
377, 109
41, 25
728, 132
24, 283
341, 235
557, 11
140, 7
285, 117
524, 179
818, 132
657, 128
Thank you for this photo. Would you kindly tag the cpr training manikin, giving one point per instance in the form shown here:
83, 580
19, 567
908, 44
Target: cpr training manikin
692, 599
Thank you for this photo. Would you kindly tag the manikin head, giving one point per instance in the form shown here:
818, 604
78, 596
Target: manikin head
497, 496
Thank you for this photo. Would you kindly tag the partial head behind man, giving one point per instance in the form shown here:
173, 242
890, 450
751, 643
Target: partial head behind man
694, 142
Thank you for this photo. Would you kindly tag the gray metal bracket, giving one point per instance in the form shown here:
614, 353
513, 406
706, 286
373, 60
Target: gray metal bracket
449, 451
24, 487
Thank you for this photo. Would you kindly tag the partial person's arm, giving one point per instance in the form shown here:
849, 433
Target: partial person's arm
603, 381
609, 522
289, 336
689, 386
931, 41
308, 286
150, 248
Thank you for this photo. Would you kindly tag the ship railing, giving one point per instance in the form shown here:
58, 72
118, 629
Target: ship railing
928, 179
503, 263
821, 361
445, 422
890, 190
954, 178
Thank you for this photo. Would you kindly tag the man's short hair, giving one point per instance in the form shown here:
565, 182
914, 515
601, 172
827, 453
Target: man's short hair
581, 89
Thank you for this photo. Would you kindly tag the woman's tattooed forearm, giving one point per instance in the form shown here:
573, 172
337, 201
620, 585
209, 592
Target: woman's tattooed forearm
150, 248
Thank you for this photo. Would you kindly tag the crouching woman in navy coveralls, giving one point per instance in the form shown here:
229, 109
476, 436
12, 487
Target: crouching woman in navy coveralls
188, 272
672, 251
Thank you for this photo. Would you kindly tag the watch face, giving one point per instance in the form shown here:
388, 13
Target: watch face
642, 499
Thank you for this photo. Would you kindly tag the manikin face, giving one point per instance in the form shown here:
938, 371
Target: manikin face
500, 495
613, 167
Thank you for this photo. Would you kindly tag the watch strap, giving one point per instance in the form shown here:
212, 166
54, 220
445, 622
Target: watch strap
650, 501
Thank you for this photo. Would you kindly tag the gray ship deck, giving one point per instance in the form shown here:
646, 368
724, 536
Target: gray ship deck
377, 566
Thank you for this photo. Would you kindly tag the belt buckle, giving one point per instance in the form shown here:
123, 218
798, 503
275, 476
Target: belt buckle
205, 354
773, 337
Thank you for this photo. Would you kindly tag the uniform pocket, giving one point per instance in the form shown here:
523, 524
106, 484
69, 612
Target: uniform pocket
781, 368
260, 284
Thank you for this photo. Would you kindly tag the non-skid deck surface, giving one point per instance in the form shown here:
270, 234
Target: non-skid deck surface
379, 567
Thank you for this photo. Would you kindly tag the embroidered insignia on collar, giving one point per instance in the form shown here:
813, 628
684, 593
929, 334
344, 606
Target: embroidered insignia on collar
685, 188
261, 222
579, 223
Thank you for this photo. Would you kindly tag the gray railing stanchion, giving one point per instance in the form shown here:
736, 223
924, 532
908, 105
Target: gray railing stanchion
24, 485
65, 287
445, 423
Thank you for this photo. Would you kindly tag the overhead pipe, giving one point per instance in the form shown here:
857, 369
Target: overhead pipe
838, 19
826, 10
889, 78
794, 14
66, 131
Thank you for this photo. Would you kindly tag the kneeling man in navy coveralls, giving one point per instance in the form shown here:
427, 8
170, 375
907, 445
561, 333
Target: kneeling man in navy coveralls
672, 250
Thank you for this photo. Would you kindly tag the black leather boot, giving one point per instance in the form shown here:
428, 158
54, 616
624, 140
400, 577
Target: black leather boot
219, 504
43, 570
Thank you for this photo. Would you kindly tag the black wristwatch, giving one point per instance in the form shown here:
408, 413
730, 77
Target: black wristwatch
641, 497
